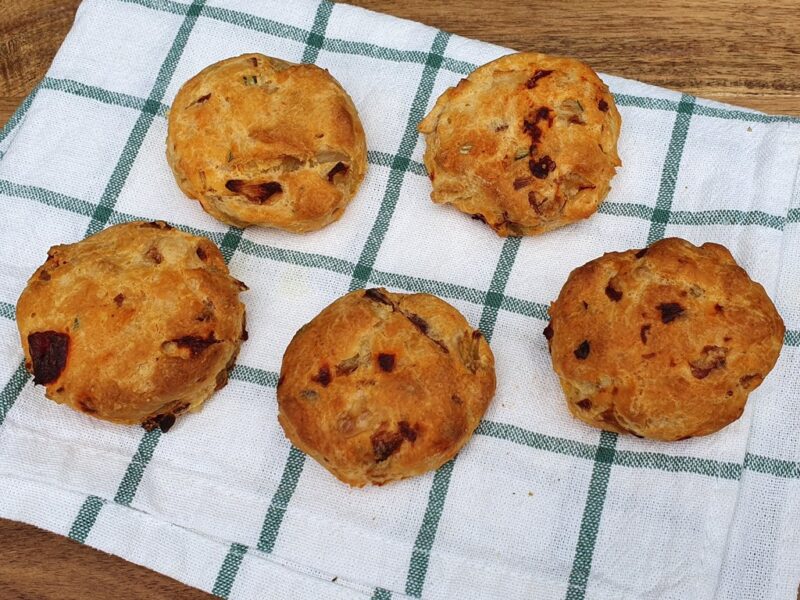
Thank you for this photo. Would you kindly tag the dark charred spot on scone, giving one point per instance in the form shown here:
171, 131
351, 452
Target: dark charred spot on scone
407, 431
255, 192
649, 355
201, 254
207, 312
729, 393
201, 100
418, 322
614, 295
479, 217
44, 275
386, 362
585, 304
163, 422
48, 350
643, 333
254, 60
711, 358
521, 182
542, 168
456, 399
87, 405
377, 295
670, 311
158, 225
119, 299
385, 443
154, 255
543, 114
339, 167
719, 309
751, 381
323, 376
585, 404
532, 129
548, 331
602, 105
641, 253
423, 327
348, 365
537, 75
582, 351
195, 343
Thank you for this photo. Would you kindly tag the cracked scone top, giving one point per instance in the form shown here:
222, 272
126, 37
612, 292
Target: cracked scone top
665, 343
382, 386
135, 324
526, 143
261, 141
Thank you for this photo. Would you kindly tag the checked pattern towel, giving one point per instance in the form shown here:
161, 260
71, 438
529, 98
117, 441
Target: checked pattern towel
537, 505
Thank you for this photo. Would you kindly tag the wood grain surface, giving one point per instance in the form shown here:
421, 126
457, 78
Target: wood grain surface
745, 53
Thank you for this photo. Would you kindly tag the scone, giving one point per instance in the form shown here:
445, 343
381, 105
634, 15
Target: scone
135, 324
382, 386
527, 143
665, 342
261, 141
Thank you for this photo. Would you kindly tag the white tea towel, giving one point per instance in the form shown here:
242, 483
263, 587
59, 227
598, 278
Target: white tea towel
537, 505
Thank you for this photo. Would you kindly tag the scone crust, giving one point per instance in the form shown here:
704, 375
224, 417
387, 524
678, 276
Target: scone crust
665, 342
526, 143
148, 315
382, 386
261, 141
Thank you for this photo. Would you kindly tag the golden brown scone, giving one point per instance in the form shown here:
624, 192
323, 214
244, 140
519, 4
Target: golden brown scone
665, 342
526, 143
135, 324
382, 386
261, 141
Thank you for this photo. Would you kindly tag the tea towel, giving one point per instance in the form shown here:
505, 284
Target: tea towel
537, 505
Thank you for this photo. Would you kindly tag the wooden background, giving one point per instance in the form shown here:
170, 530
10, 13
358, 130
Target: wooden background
745, 53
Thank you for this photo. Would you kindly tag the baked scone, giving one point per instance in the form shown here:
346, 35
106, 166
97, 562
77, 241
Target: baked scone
527, 143
261, 141
382, 386
135, 324
665, 342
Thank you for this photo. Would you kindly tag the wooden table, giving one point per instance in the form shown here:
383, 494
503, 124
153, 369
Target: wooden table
745, 53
